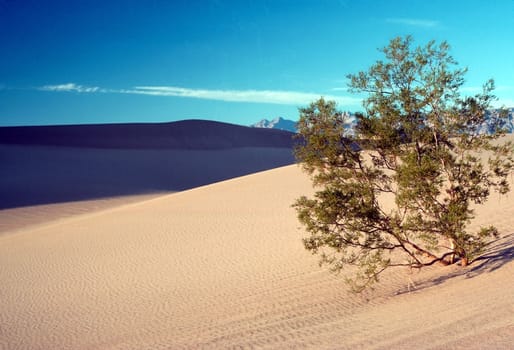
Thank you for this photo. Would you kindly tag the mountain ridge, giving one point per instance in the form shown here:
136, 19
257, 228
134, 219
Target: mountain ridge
183, 134
278, 123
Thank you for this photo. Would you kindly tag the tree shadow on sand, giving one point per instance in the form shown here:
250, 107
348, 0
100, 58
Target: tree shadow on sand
499, 253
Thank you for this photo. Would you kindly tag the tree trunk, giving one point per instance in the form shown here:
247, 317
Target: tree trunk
452, 247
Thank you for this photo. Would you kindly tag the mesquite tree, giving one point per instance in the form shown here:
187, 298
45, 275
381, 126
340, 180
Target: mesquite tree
398, 188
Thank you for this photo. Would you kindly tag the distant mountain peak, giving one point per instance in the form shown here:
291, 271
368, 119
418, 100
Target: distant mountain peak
276, 123
289, 125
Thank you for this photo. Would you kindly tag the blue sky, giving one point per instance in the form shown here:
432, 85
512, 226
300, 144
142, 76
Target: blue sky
76, 62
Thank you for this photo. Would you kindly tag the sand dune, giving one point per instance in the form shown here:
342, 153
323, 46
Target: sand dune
68, 163
32, 175
40, 184
222, 266
15, 219
184, 134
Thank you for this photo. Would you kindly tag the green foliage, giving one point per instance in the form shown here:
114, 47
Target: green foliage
421, 144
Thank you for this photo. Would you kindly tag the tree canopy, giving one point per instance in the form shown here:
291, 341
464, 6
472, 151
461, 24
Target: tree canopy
398, 188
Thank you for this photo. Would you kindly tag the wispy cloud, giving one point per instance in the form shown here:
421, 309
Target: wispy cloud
251, 96
414, 22
70, 87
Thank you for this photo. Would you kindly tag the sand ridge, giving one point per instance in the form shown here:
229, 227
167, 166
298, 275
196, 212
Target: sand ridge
223, 266
17, 219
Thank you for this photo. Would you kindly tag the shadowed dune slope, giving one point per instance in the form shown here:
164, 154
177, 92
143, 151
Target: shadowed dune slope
56, 164
223, 266
33, 175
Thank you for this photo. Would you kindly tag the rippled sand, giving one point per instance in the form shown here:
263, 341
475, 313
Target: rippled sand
223, 266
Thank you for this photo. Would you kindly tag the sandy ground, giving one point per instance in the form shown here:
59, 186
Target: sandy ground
13, 220
223, 266
39, 184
